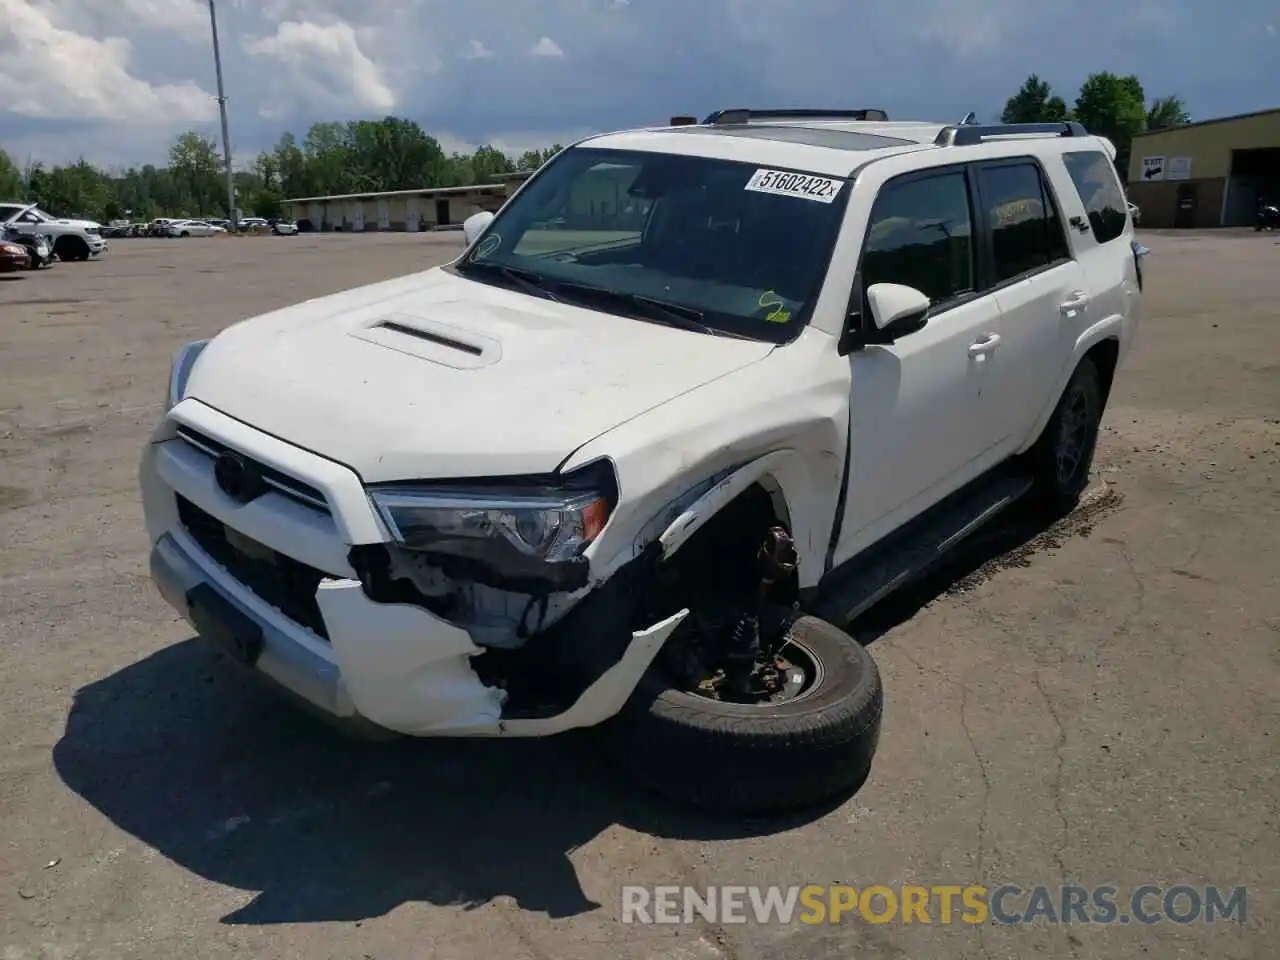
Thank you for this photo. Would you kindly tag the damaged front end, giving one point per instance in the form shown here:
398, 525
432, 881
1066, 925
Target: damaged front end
522, 643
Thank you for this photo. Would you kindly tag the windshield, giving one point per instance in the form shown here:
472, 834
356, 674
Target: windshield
741, 248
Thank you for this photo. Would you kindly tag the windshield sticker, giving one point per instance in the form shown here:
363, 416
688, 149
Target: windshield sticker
777, 307
488, 246
802, 185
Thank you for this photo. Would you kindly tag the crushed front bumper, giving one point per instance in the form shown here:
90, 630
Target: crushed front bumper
396, 666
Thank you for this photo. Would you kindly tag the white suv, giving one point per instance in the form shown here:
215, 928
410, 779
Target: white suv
692, 396
71, 239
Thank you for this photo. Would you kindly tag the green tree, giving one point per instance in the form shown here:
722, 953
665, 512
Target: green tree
10, 178
1166, 112
291, 167
488, 163
197, 167
1113, 107
393, 154
78, 190
1035, 102
328, 159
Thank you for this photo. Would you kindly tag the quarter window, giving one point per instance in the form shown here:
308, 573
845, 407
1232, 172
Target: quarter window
1026, 231
921, 235
1095, 178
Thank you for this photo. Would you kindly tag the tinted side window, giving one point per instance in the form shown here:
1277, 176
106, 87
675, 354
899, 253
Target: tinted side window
1099, 188
921, 236
1026, 233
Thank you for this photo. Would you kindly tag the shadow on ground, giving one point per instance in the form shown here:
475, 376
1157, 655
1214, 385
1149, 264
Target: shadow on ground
183, 752
235, 785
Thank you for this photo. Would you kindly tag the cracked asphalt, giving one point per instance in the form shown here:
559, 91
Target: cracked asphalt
1095, 703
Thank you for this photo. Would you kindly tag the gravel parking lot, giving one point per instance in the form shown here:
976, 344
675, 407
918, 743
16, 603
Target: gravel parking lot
1092, 704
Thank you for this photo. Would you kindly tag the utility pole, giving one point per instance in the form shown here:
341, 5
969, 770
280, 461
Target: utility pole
226, 137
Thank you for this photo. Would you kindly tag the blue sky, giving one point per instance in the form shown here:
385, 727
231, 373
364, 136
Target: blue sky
116, 80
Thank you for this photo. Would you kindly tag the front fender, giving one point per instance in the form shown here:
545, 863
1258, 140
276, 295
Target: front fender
782, 422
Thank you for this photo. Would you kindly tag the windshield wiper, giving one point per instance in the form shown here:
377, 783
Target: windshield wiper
526, 280
663, 311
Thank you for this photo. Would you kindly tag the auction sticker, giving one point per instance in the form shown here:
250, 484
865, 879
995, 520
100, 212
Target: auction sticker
803, 185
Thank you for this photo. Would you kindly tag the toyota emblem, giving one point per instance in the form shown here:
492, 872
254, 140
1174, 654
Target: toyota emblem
237, 477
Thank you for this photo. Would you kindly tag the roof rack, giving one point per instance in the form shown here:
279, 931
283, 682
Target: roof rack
744, 115
967, 134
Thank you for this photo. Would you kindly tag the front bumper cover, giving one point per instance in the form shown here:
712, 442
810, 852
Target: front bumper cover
396, 666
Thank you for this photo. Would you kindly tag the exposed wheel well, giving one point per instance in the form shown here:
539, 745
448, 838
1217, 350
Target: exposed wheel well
722, 556
1105, 354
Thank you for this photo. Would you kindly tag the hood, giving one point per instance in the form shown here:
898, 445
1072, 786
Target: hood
437, 376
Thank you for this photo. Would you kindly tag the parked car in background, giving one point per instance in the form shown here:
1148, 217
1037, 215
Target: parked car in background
38, 247
284, 228
13, 257
192, 228
254, 224
71, 239
1135, 213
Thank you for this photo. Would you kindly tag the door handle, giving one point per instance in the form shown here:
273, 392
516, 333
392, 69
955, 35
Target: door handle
984, 346
1077, 301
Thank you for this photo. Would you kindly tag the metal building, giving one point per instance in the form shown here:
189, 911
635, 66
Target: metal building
1207, 174
425, 209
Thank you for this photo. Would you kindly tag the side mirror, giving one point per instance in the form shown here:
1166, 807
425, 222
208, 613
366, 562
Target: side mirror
896, 306
475, 225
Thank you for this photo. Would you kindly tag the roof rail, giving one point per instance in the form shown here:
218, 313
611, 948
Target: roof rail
744, 115
967, 134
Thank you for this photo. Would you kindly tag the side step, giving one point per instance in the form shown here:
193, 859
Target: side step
860, 583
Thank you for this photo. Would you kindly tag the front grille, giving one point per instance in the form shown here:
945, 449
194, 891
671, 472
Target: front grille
280, 482
287, 584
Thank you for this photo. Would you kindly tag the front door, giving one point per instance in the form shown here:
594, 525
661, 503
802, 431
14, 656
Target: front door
920, 408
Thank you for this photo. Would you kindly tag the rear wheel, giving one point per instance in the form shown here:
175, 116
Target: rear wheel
804, 730
1063, 456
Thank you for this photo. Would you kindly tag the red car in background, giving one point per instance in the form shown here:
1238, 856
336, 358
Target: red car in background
13, 257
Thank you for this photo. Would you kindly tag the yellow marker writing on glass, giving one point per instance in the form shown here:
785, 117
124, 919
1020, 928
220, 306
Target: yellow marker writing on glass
777, 307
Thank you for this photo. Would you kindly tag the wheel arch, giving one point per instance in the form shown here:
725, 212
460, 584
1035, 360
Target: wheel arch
1101, 343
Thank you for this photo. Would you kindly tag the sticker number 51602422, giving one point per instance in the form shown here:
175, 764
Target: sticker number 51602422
802, 185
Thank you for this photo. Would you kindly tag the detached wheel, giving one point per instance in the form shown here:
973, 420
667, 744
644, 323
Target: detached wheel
813, 740
1063, 456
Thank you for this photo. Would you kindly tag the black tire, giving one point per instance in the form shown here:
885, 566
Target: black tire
185, 233
743, 758
1062, 457
71, 248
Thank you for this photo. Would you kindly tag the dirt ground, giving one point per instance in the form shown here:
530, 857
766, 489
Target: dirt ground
1093, 704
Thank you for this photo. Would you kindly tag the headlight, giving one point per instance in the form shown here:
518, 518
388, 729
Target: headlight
183, 361
515, 535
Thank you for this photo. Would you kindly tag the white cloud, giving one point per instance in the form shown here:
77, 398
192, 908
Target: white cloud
546, 47
116, 80
476, 51
323, 68
54, 73
187, 18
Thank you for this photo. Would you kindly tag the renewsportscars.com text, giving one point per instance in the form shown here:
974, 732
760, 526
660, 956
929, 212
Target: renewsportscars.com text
941, 904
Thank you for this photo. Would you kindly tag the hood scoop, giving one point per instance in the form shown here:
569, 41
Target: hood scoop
431, 340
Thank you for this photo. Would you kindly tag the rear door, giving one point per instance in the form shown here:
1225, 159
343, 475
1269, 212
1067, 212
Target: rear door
1102, 239
1044, 295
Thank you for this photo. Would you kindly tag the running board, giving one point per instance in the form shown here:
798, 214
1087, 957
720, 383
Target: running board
859, 584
